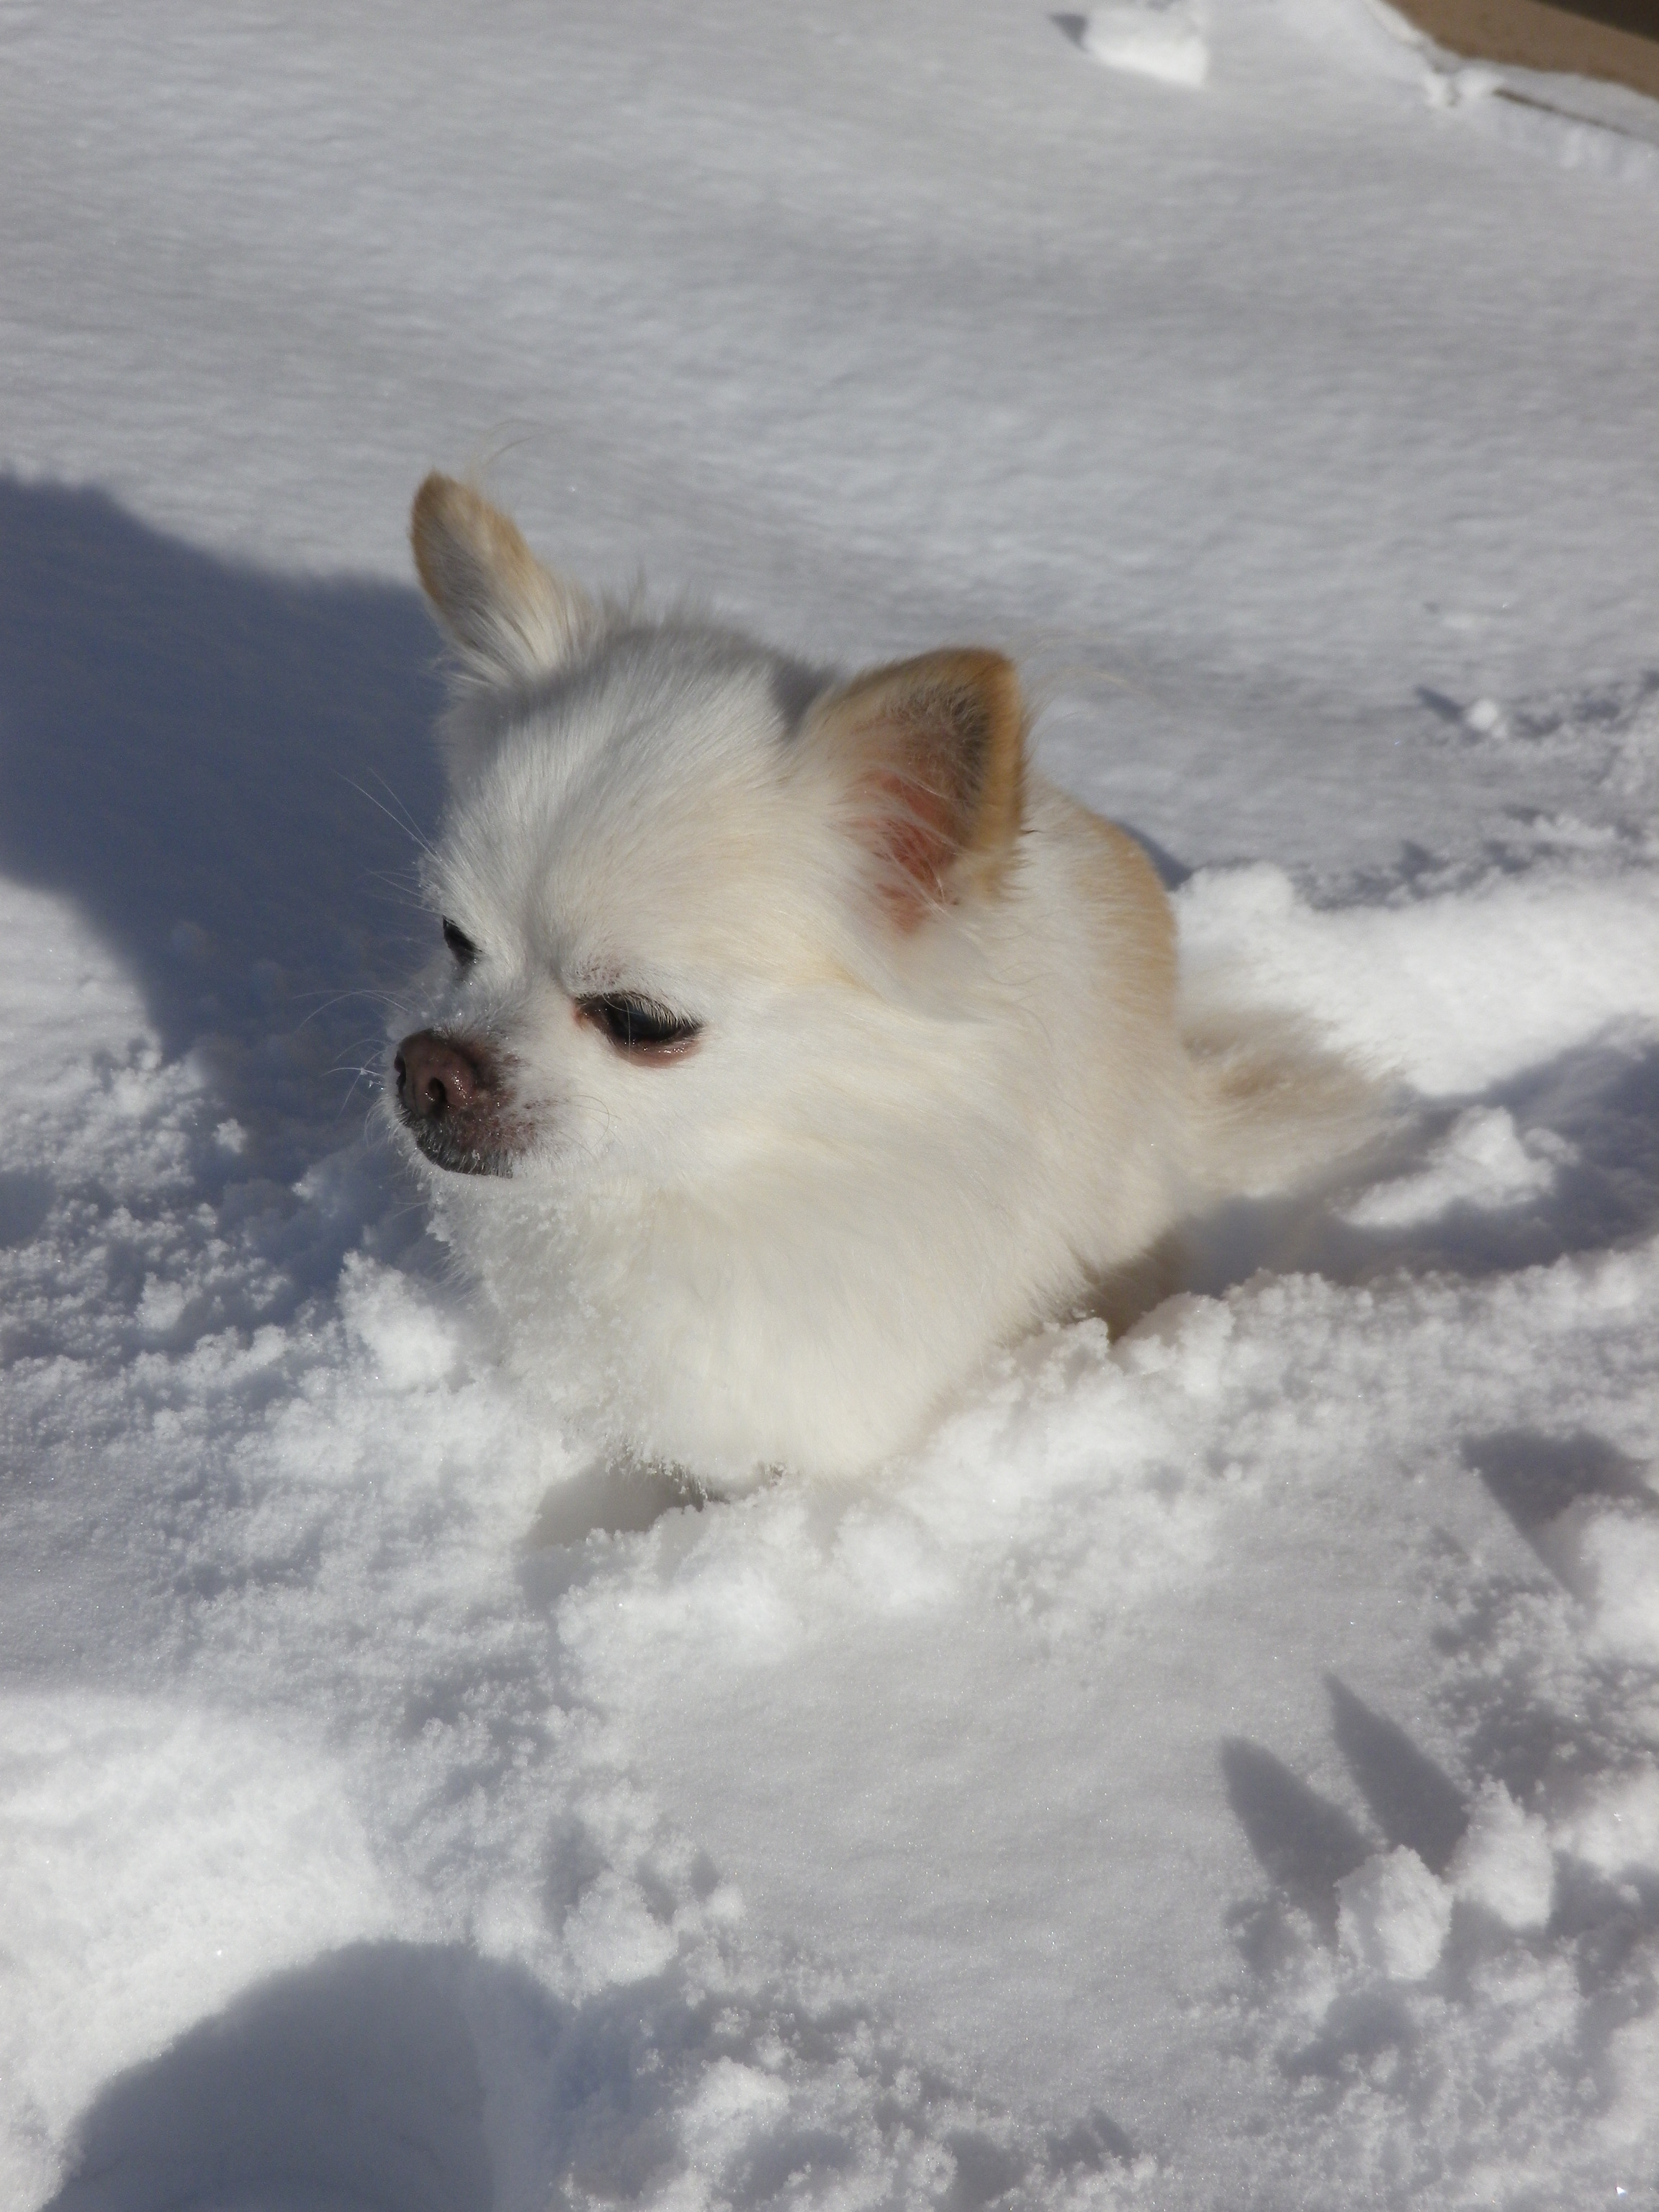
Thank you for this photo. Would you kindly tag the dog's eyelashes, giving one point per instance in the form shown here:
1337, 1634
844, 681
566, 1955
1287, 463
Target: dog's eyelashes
459, 943
639, 1027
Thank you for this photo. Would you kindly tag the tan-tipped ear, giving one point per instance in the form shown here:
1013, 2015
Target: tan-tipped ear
508, 619
934, 751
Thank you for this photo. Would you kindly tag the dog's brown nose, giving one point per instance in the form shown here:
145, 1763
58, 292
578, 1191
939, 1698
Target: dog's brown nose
436, 1076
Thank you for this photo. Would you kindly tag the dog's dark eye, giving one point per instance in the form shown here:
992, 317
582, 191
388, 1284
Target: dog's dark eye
641, 1026
459, 943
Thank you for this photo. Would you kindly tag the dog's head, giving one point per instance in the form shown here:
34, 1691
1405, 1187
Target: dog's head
691, 894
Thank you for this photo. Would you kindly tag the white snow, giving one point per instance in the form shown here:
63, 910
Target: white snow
136, 1832
1221, 1768
1151, 38
1393, 1916
1482, 1161
1505, 1863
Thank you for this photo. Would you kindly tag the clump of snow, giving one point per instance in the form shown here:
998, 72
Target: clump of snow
1161, 39
1393, 1916
1609, 1556
1457, 88
1505, 1864
1483, 1161
1614, 1825
413, 1343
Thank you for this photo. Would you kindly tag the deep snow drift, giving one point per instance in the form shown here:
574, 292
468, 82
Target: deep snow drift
1222, 1768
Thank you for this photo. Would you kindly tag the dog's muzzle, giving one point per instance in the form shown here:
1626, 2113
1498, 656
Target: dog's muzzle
449, 1097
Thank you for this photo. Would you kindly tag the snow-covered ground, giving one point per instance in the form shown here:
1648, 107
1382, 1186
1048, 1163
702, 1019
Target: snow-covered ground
1221, 1770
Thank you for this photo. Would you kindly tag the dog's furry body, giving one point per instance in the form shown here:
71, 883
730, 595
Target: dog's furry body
811, 1043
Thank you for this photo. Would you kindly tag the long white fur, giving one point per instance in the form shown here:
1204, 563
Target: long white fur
894, 1148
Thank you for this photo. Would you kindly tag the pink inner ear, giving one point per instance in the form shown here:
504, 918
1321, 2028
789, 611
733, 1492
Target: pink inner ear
932, 750
911, 831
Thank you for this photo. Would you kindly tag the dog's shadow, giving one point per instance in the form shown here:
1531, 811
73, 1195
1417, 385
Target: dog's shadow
228, 773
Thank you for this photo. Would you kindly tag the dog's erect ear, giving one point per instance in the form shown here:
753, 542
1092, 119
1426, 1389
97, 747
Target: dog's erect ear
933, 751
506, 616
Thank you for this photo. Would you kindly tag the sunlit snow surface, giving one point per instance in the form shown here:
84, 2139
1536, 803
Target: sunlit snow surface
1222, 1768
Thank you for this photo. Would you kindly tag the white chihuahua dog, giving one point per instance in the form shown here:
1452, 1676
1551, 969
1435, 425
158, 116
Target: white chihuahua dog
798, 1044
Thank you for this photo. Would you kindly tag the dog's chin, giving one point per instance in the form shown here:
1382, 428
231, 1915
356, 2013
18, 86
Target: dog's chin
459, 1151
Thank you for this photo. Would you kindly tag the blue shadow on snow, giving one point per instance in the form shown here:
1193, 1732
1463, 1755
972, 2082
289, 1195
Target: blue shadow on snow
223, 768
